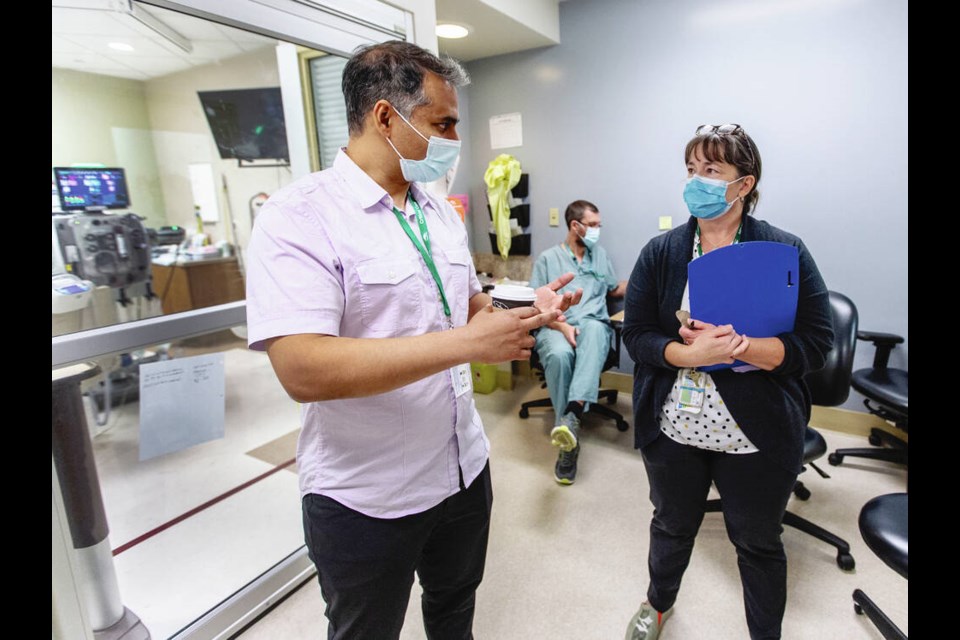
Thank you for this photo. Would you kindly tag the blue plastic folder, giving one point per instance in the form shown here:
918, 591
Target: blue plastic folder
752, 285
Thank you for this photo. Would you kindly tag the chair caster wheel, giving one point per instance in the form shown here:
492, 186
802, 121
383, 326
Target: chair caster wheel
834, 459
858, 609
524, 413
622, 425
845, 561
801, 492
874, 440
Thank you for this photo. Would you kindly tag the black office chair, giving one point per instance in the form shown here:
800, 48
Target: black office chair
610, 395
883, 525
829, 387
885, 393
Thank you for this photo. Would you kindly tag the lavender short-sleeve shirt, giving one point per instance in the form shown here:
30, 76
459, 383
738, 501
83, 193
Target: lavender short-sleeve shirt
328, 256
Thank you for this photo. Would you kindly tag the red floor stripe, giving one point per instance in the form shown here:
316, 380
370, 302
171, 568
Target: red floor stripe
196, 510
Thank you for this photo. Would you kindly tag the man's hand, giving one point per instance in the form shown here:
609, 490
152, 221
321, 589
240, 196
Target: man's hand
549, 300
503, 335
569, 331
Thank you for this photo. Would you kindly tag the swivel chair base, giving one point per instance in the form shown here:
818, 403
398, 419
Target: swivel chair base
610, 395
862, 604
844, 559
814, 446
894, 451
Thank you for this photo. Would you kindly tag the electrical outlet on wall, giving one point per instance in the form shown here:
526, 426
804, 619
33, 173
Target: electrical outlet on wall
554, 217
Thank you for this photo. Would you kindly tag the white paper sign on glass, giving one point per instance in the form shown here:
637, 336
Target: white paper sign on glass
181, 403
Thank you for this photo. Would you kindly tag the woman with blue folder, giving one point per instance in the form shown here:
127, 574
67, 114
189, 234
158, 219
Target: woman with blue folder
739, 427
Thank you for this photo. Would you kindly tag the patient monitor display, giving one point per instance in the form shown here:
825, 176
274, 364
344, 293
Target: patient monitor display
102, 248
91, 188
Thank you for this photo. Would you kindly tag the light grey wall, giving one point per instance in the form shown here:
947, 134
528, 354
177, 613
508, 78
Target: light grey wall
820, 85
103, 119
182, 136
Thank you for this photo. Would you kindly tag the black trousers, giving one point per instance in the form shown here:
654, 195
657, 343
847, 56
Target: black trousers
754, 494
365, 565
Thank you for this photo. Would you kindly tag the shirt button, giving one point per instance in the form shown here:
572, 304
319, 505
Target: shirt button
391, 275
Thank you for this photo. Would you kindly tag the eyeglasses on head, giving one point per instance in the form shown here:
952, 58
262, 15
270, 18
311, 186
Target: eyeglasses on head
705, 129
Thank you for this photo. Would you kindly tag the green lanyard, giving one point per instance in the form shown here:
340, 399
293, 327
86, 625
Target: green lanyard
736, 238
425, 252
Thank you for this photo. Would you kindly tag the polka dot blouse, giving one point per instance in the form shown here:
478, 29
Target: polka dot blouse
712, 428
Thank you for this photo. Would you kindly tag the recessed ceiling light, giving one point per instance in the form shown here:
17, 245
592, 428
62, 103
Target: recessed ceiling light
120, 46
452, 31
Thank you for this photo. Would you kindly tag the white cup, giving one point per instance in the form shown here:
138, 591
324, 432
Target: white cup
510, 296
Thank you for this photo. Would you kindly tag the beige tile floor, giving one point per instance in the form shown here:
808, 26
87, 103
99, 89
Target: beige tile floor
570, 562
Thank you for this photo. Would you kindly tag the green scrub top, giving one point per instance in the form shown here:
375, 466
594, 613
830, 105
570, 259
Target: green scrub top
594, 274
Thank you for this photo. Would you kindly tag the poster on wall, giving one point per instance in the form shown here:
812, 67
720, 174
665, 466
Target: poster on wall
506, 131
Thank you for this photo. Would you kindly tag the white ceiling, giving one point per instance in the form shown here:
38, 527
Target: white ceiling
491, 32
81, 36
82, 29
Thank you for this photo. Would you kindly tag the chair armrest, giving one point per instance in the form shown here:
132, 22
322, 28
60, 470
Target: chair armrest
613, 357
884, 343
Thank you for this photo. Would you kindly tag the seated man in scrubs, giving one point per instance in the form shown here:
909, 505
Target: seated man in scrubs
573, 352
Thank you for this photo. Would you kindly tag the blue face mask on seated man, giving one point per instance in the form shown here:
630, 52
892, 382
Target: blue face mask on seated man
706, 198
592, 236
441, 155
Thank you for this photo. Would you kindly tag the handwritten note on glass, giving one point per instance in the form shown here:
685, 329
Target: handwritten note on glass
181, 404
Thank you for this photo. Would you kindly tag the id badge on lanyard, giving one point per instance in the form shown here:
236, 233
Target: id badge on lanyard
692, 390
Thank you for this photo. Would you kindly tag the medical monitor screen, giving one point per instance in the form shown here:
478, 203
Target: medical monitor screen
247, 124
87, 188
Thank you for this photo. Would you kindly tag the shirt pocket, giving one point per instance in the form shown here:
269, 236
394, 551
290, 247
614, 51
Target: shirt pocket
456, 282
390, 295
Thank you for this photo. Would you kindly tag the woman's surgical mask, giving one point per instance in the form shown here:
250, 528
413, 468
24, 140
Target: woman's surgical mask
591, 237
706, 198
441, 155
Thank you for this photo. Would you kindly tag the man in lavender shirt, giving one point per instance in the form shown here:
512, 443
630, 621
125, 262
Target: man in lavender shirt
362, 290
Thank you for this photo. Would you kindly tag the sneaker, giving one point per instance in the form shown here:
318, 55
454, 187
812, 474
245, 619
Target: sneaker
564, 435
565, 472
646, 622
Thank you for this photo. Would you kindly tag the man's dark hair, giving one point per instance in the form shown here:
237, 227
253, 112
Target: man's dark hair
576, 209
392, 71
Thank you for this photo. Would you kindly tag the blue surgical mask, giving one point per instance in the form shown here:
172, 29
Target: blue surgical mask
441, 155
706, 198
592, 236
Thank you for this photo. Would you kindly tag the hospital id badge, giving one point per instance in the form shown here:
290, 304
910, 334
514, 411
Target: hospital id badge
462, 379
692, 390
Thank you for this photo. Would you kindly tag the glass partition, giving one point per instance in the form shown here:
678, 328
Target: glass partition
194, 122
126, 94
193, 438
193, 443
197, 124
197, 508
